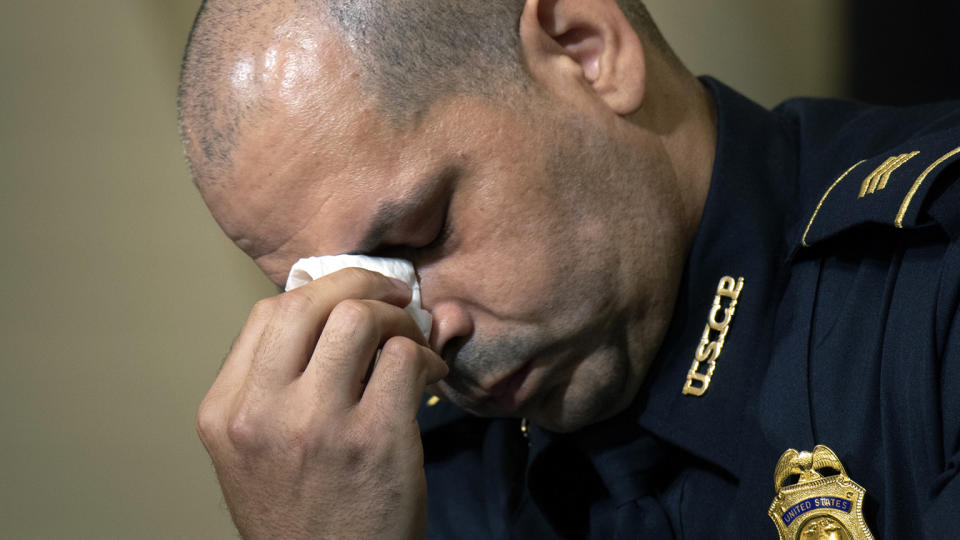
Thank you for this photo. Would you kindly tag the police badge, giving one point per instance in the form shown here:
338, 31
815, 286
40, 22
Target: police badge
817, 507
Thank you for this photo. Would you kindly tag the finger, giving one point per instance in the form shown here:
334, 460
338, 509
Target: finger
214, 410
298, 317
349, 341
237, 363
403, 371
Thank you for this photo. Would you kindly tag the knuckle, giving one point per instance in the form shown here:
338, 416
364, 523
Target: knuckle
262, 309
294, 302
207, 421
242, 432
401, 348
352, 446
353, 312
358, 446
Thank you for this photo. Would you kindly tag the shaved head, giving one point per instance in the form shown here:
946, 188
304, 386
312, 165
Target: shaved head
412, 53
542, 163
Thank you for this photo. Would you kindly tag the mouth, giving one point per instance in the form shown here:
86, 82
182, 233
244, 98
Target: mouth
507, 395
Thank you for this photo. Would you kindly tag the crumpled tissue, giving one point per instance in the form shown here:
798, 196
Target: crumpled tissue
311, 268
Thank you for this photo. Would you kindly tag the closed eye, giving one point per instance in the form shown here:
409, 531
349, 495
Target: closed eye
442, 236
417, 226
417, 252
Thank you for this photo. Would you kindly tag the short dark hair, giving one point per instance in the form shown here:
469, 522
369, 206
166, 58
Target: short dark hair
413, 53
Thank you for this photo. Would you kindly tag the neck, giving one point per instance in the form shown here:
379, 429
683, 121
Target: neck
683, 114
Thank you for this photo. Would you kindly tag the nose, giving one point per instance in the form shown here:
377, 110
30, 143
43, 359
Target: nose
450, 322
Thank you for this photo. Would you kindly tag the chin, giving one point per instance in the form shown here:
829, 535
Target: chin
598, 388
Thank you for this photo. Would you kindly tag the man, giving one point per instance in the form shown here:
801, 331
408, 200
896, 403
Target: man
645, 288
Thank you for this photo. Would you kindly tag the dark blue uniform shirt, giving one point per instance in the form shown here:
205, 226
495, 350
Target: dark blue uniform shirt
843, 221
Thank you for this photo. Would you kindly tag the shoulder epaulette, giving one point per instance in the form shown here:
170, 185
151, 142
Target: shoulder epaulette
889, 188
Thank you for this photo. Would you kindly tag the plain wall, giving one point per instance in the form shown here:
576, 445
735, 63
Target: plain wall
768, 50
120, 295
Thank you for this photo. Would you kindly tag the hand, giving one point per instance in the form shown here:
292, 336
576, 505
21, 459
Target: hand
304, 444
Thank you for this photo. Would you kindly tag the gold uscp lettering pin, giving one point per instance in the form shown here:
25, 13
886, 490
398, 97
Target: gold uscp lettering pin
817, 507
713, 337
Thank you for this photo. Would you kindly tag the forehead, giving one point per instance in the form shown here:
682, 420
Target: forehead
304, 128
318, 160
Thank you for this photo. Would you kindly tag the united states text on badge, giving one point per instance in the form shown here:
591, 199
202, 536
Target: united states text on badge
817, 507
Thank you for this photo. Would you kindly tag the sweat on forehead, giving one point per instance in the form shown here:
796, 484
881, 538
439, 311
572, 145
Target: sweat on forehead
409, 54
224, 70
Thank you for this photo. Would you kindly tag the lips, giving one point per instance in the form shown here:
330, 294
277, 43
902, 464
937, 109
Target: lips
506, 394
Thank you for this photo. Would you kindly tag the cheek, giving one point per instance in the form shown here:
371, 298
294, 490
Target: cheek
528, 250
514, 266
532, 266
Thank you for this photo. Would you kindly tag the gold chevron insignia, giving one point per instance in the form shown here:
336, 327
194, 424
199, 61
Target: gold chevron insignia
877, 180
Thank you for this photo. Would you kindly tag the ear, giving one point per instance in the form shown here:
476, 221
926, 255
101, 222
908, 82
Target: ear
589, 43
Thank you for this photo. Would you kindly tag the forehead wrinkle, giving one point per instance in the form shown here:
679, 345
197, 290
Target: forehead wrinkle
258, 247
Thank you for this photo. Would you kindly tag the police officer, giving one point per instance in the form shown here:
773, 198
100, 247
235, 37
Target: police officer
657, 306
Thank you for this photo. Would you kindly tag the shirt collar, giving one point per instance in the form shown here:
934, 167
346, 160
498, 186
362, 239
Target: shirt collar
742, 234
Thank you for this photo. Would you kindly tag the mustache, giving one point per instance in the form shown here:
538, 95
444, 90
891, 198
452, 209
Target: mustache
472, 360
476, 359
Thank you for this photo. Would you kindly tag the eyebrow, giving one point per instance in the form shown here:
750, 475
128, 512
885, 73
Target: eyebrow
390, 212
386, 215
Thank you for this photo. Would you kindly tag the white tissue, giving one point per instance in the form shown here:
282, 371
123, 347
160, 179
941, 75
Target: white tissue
309, 269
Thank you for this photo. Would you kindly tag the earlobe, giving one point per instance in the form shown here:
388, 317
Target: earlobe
587, 42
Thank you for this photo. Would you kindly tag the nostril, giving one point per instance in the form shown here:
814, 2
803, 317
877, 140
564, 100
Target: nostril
451, 325
451, 348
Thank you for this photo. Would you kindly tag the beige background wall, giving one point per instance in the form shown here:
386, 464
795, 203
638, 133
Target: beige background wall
118, 294
768, 50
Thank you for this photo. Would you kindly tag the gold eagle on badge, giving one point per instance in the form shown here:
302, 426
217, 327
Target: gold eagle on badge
817, 506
